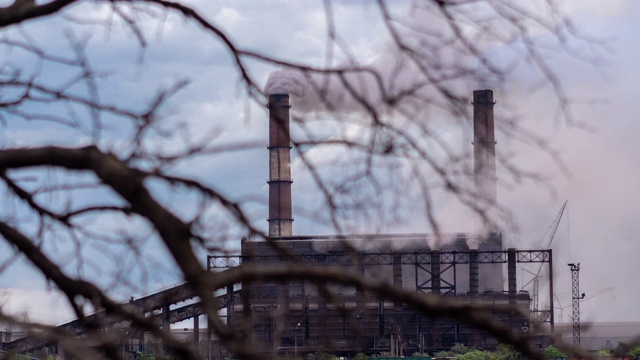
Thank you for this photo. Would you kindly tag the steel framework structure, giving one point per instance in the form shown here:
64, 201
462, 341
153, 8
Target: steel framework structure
434, 272
162, 307
422, 260
576, 297
385, 258
433, 265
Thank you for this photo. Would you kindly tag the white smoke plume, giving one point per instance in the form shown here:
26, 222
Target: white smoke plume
387, 82
325, 92
286, 82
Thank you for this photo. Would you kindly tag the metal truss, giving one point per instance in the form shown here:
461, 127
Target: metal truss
576, 297
440, 278
435, 282
533, 256
156, 306
382, 258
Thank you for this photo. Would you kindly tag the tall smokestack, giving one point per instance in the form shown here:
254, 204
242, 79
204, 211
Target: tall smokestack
484, 145
280, 214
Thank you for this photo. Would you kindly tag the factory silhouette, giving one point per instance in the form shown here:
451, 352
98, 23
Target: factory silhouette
296, 317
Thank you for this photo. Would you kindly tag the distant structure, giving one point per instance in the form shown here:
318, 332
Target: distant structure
484, 146
295, 317
280, 213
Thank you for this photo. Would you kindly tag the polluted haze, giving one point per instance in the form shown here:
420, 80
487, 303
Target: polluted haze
596, 167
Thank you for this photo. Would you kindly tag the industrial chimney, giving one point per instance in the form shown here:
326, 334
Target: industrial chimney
280, 214
484, 146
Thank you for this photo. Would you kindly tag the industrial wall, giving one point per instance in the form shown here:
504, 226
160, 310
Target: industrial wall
299, 316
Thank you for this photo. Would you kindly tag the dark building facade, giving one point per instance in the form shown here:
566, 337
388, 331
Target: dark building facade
301, 316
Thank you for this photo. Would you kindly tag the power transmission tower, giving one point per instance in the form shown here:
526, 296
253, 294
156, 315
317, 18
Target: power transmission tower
576, 297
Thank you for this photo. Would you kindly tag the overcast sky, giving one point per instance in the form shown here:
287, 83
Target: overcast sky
599, 173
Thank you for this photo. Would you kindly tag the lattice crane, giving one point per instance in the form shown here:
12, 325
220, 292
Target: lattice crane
536, 276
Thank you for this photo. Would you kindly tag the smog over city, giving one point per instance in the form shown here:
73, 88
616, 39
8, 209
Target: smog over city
298, 179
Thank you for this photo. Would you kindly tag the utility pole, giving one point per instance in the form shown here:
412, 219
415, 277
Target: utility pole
576, 297
295, 351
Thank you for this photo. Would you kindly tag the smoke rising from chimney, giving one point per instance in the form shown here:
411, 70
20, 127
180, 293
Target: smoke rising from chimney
286, 82
321, 92
389, 81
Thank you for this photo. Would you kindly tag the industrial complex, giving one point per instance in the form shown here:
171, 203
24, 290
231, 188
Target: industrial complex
299, 317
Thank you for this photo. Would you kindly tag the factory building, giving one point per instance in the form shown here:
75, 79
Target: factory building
296, 317
299, 317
